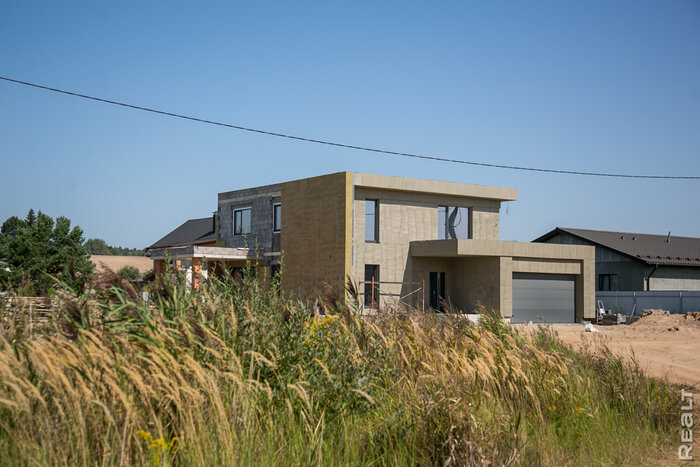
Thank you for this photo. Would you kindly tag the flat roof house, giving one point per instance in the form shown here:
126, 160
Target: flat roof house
408, 240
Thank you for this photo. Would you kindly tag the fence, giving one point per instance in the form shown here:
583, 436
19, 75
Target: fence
34, 314
626, 301
413, 294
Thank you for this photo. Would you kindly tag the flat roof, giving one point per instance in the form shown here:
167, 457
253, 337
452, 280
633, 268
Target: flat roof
418, 185
390, 182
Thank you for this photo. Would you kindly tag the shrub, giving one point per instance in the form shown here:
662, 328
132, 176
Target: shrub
129, 273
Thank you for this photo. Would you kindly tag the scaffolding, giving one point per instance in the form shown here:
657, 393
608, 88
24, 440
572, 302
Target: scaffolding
415, 298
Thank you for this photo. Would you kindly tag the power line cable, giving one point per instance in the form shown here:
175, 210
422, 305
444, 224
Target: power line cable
351, 146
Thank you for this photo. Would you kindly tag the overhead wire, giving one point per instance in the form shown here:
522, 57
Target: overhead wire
352, 146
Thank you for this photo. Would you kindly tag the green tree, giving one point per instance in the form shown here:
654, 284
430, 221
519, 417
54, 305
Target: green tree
97, 246
39, 253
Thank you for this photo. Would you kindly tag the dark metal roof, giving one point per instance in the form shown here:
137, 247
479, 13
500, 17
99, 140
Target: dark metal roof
192, 232
663, 250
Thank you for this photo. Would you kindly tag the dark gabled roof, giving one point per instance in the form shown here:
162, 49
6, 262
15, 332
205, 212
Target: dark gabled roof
192, 232
660, 250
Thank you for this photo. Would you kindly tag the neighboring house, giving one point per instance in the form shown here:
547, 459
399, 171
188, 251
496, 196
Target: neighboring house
636, 262
192, 232
182, 246
418, 241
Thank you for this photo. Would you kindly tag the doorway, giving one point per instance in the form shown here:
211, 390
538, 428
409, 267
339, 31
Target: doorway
437, 290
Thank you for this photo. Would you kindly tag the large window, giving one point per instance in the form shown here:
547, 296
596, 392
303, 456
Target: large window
241, 221
371, 220
453, 222
276, 217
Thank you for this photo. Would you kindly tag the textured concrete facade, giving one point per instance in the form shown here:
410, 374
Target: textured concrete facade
407, 215
478, 263
316, 233
322, 240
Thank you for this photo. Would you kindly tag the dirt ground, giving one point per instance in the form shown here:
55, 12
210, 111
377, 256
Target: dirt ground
664, 345
115, 263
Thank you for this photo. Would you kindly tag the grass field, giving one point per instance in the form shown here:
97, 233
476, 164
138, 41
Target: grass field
238, 375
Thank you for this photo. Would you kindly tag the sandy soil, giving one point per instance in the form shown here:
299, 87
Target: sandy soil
664, 345
115, 263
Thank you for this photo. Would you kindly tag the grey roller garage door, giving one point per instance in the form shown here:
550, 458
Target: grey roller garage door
551, 296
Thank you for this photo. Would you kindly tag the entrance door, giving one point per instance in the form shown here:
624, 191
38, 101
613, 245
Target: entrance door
437, 290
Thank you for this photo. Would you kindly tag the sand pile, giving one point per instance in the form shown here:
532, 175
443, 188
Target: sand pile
664, 321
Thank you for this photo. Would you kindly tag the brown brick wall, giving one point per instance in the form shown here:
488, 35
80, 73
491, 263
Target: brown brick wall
316, 233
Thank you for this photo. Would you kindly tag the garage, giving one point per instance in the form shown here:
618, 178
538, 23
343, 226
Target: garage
549, 296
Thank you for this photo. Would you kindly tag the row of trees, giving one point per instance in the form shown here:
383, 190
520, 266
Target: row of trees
97, 246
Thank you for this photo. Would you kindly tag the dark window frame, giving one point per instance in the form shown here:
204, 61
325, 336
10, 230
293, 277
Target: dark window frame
368, 285
238, 229
375, 215
437, 290
276, 217
442, 231
611, 282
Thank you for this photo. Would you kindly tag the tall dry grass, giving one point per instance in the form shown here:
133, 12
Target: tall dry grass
238, 375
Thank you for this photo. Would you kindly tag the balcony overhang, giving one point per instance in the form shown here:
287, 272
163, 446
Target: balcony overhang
208, 252
498, 248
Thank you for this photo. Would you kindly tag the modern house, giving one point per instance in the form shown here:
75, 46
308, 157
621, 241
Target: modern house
636, 262
420, 242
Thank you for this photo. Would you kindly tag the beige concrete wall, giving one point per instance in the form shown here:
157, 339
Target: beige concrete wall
406, 216
512, 257
485, 222
474, 281
547, 266
433, 187
469, 282
419, 271
316, 233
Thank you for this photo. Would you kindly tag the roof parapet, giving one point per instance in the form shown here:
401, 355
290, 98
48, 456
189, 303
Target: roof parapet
386, 182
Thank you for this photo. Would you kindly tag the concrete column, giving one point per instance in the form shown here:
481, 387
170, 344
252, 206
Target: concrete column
196, 273
505, 274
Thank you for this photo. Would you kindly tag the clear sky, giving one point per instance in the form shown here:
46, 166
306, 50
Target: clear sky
592, 86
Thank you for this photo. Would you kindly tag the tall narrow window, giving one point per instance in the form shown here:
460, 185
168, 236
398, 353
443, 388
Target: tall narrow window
453, 222
371, 277
241, 221
437, 290
371, 220
276, 217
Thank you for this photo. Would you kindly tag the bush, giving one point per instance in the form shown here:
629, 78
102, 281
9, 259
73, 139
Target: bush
129, 273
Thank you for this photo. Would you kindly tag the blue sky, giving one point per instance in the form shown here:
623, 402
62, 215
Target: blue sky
591, 86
